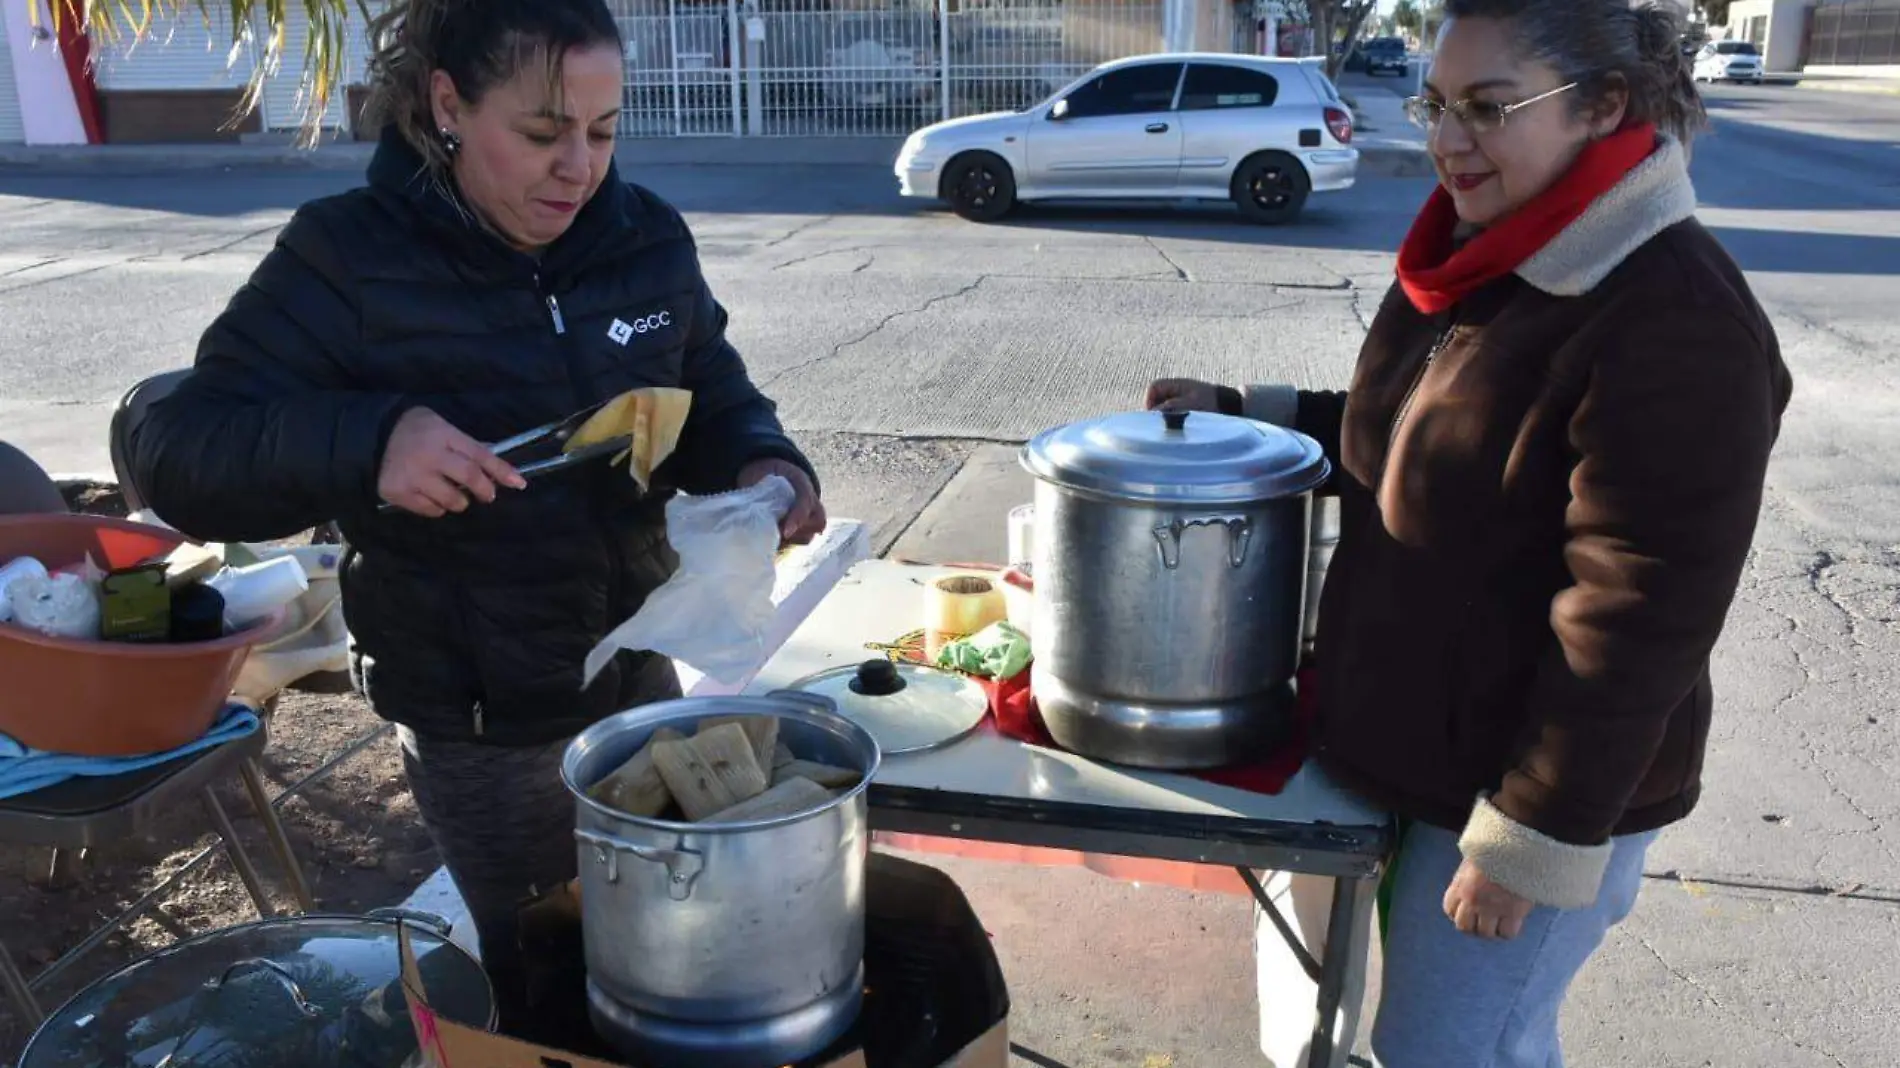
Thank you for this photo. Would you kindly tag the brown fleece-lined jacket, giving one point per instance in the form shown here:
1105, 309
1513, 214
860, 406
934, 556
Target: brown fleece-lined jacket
1548, 496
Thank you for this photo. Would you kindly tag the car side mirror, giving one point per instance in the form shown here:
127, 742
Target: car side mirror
1059, 111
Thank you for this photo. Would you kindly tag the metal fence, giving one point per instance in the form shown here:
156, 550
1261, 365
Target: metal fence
1010, 54
873, 68
1855, 33
680, 73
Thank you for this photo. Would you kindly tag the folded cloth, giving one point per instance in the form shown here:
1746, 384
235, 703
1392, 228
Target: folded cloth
1013, 707
24, 771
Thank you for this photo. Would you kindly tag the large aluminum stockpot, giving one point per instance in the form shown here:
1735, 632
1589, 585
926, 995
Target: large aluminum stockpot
1171, 569
724, 944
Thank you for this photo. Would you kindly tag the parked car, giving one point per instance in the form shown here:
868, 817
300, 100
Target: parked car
1729, 61
1386, 54
1262, 132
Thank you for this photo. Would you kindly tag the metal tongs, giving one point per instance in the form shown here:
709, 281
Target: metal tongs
557, 434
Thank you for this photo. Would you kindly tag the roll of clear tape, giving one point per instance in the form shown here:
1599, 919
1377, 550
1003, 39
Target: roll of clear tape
957, 606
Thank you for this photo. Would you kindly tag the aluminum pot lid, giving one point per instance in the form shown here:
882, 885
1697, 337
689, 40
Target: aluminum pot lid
306, 992
908, 708
1178, 458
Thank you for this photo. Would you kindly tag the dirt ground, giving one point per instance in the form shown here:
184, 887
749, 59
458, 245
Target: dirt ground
356, 833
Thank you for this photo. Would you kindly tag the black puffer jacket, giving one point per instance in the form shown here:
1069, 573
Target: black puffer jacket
469, 627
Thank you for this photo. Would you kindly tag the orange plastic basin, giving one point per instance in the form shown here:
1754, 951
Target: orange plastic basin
95, 698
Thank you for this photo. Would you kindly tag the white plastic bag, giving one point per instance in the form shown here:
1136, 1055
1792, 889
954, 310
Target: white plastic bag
58, 606
715, 610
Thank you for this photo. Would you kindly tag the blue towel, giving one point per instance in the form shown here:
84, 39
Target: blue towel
23, 770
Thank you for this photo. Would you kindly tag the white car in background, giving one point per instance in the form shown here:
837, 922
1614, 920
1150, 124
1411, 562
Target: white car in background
1261, 132
1728, 61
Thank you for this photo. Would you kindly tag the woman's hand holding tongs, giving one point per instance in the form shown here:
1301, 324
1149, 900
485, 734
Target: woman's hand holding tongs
431, 468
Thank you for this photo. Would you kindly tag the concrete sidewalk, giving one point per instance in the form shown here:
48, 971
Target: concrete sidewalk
1378, 158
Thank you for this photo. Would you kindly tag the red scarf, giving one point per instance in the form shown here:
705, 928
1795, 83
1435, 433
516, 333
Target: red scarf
1437, 275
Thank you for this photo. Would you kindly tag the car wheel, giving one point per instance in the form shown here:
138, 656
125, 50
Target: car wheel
980, 187
1271, 188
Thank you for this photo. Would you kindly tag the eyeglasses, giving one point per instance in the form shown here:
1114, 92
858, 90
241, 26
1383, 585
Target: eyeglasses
1477, 116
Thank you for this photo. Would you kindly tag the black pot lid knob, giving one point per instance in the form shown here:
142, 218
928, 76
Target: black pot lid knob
877, 678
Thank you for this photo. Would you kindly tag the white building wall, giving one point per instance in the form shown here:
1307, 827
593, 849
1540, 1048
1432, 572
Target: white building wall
12, 123
1776, 26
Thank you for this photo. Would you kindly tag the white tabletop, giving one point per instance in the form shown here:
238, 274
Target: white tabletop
880, 601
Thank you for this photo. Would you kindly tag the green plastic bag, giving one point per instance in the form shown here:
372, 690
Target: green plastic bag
998, 651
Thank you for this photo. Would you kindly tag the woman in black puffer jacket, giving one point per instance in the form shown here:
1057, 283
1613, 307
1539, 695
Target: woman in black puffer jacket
495, 275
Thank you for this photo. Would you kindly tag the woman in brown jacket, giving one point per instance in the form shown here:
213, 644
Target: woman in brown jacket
1549, 463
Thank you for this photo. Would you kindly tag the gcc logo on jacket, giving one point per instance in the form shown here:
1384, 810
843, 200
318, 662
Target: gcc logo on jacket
622, 331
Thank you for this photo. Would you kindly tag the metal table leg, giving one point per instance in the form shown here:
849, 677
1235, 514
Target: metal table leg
1341, 947
247, 872
274, 832
17, 989
63, 872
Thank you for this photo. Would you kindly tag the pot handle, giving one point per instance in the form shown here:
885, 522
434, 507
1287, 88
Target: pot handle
439, 925
813, 701
683, 866
214, 987
1239, 537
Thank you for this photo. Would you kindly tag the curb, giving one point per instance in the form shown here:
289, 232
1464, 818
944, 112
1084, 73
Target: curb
1831, 85
1389, 160
355, 156
1394, 161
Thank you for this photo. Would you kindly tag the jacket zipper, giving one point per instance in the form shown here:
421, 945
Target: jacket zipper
1405, 406
616, 568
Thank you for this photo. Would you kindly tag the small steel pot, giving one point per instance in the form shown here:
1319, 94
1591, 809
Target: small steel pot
715, 944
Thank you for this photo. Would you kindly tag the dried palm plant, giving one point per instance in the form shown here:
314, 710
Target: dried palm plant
257, 27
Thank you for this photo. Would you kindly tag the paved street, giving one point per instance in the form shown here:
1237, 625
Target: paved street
909, 349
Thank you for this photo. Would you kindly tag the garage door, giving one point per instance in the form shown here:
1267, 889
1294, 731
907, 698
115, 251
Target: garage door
283, 93
180, 53
12, 129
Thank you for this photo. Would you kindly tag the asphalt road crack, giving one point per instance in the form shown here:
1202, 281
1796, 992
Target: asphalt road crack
839, 349
37, 282
868, 251
1347, 284
1721, 1006
31, 267
799, 229
233, 243
1180, 272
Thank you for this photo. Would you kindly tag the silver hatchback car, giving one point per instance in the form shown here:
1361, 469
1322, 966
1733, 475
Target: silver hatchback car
1262, 132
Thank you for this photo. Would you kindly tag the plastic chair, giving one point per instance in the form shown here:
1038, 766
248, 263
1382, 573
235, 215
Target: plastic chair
25, 487
82, 813
131, 411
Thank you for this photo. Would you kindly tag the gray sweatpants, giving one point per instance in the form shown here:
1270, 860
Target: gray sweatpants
1450, 1000
504, 826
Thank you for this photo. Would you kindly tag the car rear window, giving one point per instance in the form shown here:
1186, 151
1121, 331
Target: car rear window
1737, 48
1216, 85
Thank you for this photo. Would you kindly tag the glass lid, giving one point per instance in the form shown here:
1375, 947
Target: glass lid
306, 992
908, 708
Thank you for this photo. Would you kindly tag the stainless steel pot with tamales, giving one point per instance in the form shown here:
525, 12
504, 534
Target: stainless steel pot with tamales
1171, 569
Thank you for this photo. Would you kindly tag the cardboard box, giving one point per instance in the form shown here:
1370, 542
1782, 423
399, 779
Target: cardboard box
918, 927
